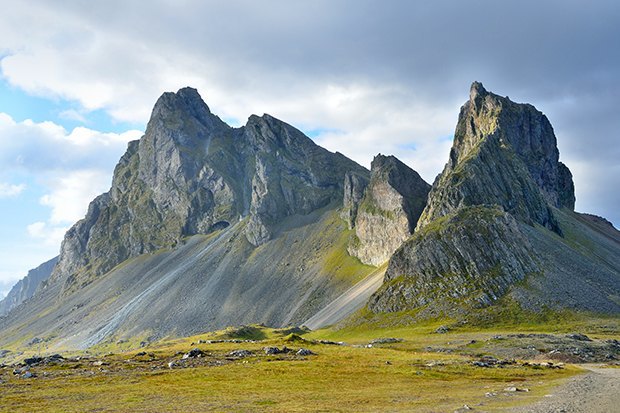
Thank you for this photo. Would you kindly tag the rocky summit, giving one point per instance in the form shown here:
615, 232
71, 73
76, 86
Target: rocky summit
384, 213
504, 153
499, 221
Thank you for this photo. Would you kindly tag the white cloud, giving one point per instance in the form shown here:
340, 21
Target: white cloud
72, 168
72, 114
71, 193
46, 146
49, 234
10, 190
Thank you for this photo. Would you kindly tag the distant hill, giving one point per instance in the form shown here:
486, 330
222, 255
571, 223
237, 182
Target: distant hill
26, 287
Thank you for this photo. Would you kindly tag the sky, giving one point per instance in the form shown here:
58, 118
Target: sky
78, 80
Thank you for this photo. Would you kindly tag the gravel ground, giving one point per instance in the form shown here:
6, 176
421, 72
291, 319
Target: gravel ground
597, 391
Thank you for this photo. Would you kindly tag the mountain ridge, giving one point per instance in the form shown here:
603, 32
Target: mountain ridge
27, 286
193, 174
207, 226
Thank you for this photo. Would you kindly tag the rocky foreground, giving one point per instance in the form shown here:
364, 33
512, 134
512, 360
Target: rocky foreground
280, 370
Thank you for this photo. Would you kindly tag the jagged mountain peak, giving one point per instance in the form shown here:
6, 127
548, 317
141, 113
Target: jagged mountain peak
185, 98
389, 166
191, 174
504, 153
477, 92
184, 118
384, 162
481, 231
522, 127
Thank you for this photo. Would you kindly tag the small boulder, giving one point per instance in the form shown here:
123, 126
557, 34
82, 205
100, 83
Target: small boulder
387, 340
272, 350
332, 343
33, 360
53, 358
515, 389
33, 341
442, 330
20, 370
193, 353
305, 352
578, 337
240, 353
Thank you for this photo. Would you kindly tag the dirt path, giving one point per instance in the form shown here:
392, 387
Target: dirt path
597, 391
351, 300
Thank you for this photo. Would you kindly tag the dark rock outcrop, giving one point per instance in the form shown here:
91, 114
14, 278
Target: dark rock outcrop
193, 174
387, 213
27, 286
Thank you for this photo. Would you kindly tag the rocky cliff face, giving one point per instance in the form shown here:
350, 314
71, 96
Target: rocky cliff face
388, 211
26, 287
503, 172
354, 187
468, 258
503, 153
193, 174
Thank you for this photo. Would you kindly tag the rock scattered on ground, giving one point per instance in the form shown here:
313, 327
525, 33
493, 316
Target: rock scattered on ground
332, 343
240, 353
387, 340
305, 352
579, 337
276, 350
193, 353
511, 389
558, 348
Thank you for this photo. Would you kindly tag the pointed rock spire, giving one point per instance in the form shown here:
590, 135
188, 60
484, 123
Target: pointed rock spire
388, 211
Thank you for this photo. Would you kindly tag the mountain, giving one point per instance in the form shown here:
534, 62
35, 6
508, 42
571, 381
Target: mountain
500, 222
27, 286
204, 226
193, 174
207, 226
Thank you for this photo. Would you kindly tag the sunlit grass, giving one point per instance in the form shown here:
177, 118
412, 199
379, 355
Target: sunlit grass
399, 377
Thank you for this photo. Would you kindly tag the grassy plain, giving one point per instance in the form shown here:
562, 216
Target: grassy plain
411, 375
